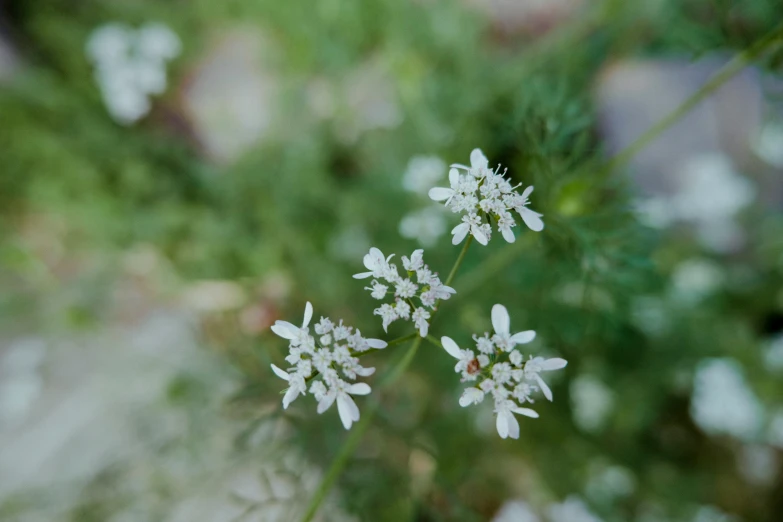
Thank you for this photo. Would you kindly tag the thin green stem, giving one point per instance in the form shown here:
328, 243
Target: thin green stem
434, 341
402, 339
458, 262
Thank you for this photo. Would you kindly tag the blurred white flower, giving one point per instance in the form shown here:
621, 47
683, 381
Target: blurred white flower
768, 145
572, 509
773, 354
709, 196
425, 225
515, 511
591, 403
422, 173
695, 279
479, 192
722, 403
507, 377
650, 314
758, 464
712, 514
130, 66
334, 350
607, 483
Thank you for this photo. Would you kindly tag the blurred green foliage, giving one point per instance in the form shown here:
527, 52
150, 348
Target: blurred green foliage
527, 102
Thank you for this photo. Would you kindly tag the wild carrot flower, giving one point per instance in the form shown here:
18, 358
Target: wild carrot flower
481, 194
417, 283
327, 363
502, 372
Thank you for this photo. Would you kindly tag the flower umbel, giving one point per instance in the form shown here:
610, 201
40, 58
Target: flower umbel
480, 193
427, 288
332, 357
501, 371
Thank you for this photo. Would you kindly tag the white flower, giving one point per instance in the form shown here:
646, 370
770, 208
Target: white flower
346, 407
573, 509
422, 173
377, 265
419, 317
502, 324
536, 365
502, 375
378, 291
506, 423
327, 358
428, 289
471, 396
481, 192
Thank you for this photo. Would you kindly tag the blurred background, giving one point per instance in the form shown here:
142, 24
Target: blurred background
177, 175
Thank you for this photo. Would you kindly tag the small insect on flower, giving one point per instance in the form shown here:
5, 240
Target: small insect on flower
321, 362
507, 377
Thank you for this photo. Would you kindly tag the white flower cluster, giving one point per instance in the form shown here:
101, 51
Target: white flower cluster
481, 193
331, 355
428, 288
130, 66
501, 371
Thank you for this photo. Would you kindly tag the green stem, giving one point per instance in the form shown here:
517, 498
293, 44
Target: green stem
403, 339
434, 341
350, 444
458, 262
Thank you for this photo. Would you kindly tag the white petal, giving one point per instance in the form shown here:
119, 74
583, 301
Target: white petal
280, 373
500, 320
440, 193
544, 388
359, 388
471, 396
451, 347
531, 219
363, 275
453, 176
345, 411
513, 427
555, 363
480, 236
527, 191
326, 403
308, 314
376, 253
477, 159
424, 329
285, 329
523, 337
527, 412
460, 231
501, 423
289, 397
448, 289
377, 344
364, 372
508, 235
